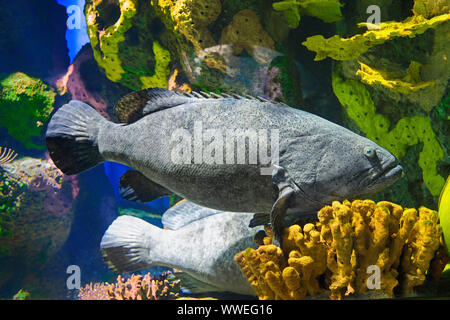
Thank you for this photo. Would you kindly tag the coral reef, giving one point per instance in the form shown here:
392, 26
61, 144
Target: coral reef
121, 40
26, 104
327, 10
336, 255
35, 210
137, 287
444, 212
408, 131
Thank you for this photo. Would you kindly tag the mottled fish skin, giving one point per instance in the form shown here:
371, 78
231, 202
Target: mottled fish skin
319, 156
204, 248
319, 161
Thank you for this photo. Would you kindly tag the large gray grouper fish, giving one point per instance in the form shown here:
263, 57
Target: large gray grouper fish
312, 160
199, 241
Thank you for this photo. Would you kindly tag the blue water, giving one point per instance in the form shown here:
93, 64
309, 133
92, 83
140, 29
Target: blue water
76, 38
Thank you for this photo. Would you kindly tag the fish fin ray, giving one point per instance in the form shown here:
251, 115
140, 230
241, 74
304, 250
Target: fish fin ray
134, 186
71, 137
127, 244
184, 213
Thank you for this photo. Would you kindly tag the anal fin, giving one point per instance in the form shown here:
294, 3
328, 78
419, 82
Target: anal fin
134, 186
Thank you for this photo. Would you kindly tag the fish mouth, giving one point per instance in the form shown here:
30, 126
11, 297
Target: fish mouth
385, 177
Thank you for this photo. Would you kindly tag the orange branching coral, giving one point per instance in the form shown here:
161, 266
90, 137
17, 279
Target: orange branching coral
340, 252
136, 287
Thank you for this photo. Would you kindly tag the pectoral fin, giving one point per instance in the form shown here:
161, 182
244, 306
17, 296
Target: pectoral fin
134, 186
190, 284
278, 213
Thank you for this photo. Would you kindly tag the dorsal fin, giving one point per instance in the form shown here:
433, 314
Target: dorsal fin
135, 105
184, 213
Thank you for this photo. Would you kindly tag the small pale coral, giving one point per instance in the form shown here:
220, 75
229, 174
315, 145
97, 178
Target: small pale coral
332, 257
246, 32
136, 287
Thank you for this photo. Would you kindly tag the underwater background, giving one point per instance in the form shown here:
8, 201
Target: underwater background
388, 82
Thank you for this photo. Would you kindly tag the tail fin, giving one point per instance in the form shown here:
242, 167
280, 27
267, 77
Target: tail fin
128, 242
72, 137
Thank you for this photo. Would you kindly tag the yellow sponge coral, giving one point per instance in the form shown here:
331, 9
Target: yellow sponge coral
336, 255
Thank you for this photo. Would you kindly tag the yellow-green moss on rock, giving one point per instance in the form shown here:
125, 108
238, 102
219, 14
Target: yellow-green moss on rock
408, 131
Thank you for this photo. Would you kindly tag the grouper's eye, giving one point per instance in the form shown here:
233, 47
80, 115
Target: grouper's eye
369, 152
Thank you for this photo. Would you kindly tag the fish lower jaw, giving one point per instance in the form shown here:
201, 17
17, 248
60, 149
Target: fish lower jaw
381, 181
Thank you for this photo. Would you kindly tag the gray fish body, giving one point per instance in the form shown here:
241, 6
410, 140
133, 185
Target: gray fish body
204, 248
318, 161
